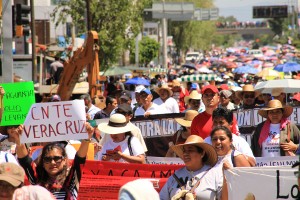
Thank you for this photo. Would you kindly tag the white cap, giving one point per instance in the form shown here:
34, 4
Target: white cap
139, 88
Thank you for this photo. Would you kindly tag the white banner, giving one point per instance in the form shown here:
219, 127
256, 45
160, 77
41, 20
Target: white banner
55, 121
260, 161
262, 183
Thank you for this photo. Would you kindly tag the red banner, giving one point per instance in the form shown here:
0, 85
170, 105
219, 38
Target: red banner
102, 180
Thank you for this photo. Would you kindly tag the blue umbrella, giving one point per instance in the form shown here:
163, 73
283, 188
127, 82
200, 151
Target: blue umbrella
245, 70
137, 81
288, 67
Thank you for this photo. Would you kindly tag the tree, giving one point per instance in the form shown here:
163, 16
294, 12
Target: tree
149, 49
116, 21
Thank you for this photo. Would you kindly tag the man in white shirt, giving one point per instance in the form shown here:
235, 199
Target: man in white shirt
166, 100
91, 109
148, 107
224, 117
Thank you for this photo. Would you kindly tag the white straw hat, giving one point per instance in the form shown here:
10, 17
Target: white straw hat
117, 124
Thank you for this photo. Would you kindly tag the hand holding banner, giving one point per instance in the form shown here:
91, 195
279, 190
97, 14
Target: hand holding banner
55, 121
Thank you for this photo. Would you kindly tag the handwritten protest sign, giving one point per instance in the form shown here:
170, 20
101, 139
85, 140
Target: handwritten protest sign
17, 100
55, 121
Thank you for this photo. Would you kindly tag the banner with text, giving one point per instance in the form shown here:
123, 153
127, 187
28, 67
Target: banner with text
17, 100
55, 121
262, 183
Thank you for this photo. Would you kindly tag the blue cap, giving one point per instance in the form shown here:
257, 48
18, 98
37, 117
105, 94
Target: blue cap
194, 86
146, 91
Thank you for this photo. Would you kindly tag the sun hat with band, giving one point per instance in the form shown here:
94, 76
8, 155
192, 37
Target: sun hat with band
186, 121
196, 140
246, 88
193, 95
164, 87
276, 104
117, 124
12, 174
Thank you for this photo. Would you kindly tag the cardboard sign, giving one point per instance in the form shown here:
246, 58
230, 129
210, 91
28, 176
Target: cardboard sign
55, 121
262, 183
17, 100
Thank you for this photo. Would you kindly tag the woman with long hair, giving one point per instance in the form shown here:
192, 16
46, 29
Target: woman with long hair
53, 170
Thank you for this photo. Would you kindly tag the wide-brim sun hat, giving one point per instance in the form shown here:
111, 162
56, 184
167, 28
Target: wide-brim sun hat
196, 140
246, 88
193, 95
276, 104
164, 87
186, 121
117, 124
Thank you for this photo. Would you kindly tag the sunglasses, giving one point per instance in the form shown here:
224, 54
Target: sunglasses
57, 159
246, 96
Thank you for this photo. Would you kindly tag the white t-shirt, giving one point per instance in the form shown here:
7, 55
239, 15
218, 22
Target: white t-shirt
271, 146
170, 105
210, 187
239, 143
92, 111
222, 159
154, 110
136, 132
7, 157
137, 148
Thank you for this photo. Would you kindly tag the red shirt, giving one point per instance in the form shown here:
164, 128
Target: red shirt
179, 97
202, 125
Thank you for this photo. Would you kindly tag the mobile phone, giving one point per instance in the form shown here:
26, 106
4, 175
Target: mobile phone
92, 123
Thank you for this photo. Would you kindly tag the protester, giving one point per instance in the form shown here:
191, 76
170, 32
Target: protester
225, 97
55, 98
11, 178
202, 123
194, 102
221, 138
111, 86
296, 99
32, 192
247, 96
148, 107
91, 109
166, 100
199, 159
179, 93
266, 98
278, 94
123, 147
52, 169
125, 97
224, 117
184, 132
137, 102
56, 68
276, 136
140, 189
126, 110
110, 105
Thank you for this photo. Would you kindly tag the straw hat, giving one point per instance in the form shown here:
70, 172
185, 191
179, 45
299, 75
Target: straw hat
164, 87
117, 124
246, 88
276, 104
175, 83
196, 140
188, 118
193, 95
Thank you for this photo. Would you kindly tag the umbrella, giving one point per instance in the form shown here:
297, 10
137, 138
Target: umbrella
288, 67
204, 70
245, 70
114, 71
137, 81
198, 77
285, 85
268, 72
189, 65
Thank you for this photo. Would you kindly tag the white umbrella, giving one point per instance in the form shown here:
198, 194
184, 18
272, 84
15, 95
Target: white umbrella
285, 85
204, 70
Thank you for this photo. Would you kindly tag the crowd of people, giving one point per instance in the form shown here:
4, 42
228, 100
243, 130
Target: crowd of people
208, 142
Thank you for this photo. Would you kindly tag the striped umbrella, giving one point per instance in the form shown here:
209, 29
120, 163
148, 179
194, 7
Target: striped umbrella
158, 70
198, 77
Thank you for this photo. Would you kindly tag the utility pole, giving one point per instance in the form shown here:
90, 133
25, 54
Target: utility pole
7, 57
164, 32
33, 40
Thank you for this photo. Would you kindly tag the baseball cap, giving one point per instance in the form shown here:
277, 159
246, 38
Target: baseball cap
12, 173
55, 97
125, 95
224, 87
296, 97
146, 91
226, 93
194, 86
139, 88
210, 87
125, 108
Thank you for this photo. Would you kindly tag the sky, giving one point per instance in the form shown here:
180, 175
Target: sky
242, 9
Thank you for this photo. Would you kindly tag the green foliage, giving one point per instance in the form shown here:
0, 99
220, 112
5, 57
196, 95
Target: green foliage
116, 21
148, 50
227, 19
